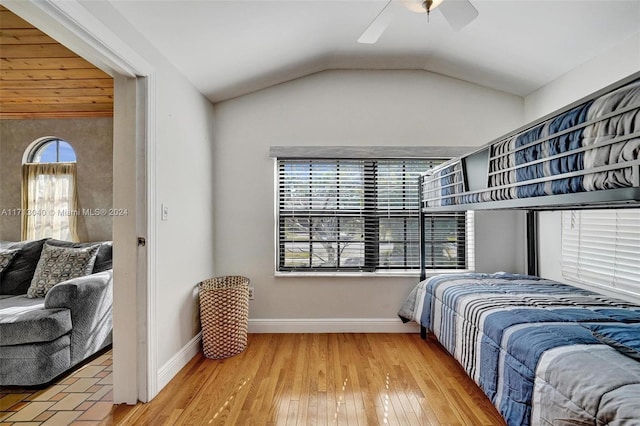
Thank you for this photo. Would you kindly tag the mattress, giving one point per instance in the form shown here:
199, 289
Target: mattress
591, 147
511, 334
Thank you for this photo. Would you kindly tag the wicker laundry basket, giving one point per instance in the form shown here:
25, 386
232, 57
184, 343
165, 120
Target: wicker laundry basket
224, 315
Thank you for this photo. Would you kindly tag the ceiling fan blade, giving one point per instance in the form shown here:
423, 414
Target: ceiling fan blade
416, 6
378, 25
458, 13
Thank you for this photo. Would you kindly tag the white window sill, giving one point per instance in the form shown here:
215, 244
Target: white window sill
385, 274
448, 271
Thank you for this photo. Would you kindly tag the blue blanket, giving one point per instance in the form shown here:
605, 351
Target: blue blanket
499, 325
602, 132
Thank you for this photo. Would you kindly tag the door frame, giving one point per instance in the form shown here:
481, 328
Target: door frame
134, 168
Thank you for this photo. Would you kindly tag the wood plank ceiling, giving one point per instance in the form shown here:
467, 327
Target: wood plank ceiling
40, 78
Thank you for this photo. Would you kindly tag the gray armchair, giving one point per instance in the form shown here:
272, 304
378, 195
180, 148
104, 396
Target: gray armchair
90, 302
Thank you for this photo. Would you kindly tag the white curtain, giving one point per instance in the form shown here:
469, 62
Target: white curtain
49, 201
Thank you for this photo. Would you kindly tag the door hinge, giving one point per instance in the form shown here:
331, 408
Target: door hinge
142, 242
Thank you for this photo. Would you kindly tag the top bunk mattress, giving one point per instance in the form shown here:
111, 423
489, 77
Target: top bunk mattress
591, 147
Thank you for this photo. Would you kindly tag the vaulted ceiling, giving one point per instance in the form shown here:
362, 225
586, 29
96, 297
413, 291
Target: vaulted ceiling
40, 78
228, 48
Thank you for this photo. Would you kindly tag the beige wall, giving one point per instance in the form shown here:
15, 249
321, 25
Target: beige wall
344, 108
91, 138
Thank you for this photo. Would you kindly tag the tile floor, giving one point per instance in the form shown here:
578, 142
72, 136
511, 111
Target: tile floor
82, 398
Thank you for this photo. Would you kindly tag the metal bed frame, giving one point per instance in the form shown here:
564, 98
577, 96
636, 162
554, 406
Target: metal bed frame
471, 175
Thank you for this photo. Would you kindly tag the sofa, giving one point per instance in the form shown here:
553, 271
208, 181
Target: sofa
56, 304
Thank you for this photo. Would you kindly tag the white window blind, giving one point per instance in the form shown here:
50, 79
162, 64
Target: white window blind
348, 214
602, 248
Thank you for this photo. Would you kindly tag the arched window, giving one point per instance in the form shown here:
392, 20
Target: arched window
49, 197
51, 150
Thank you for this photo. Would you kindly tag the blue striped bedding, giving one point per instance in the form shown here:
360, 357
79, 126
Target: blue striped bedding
607, 133
499, 326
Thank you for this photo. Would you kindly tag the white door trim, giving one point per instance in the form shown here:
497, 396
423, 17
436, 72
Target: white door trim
71, 24
147, 322
74, 26
126, 295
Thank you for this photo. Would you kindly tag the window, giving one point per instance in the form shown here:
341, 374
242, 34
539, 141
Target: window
360, 215
49, 199
600, 247
52, 151
448, 241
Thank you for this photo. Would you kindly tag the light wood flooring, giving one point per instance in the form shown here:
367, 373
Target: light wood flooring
319, 379
280, 379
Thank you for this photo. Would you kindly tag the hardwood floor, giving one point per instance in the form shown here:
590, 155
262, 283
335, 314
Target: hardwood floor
320, 379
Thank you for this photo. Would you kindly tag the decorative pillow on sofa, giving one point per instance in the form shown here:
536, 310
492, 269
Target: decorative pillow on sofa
5, 258
58, 264
625, 338
104, 258
17, 276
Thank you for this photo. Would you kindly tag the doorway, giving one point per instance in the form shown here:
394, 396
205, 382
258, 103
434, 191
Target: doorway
67, 22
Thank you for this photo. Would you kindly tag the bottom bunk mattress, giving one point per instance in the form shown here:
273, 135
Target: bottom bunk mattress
542, 351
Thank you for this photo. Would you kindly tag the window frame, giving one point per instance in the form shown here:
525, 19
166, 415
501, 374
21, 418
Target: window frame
38, 213
40, 144
371, 264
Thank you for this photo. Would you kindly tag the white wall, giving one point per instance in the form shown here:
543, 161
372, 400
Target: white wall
344, 108
617, 63
184, 183
607, 68
550, 245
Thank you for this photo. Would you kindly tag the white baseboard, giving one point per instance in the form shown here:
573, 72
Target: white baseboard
179, 360
332, 325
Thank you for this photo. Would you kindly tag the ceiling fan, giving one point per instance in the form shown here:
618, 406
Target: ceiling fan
458, 14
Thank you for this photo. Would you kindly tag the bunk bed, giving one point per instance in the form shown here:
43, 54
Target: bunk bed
583, 156
543, 352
